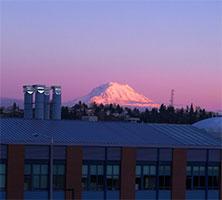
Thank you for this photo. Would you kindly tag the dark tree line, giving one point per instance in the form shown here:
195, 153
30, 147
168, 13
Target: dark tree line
12, 111
163, 114
112, 112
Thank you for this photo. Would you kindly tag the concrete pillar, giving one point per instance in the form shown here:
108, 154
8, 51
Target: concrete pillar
15, 172
74, 171
179, 174
128, 167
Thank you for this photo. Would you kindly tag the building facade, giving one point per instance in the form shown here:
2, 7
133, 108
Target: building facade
99, 160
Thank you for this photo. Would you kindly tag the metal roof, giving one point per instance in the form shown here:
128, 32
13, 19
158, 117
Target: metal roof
212, 126
67, 132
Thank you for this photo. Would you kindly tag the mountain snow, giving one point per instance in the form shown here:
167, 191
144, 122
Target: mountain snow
116, 93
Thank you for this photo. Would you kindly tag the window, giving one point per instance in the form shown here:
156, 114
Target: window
96, 177
196, 177
36, 177
138, 185
59, 176
92, 177
2, 175
84, 177
112, 177
164, 177
199, 177
145, 177
213, 177
28, 177
189, 178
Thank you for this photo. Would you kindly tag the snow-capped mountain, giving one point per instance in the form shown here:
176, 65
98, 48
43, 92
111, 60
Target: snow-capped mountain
115, 93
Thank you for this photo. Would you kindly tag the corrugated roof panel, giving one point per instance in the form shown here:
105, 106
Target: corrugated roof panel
198, 135
147, 133
103, 134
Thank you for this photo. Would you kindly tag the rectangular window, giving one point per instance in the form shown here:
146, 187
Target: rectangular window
145, 177
59, 176
196, 177
92, 177
112, 177
84, 177
189, 178
138, 185
28, 177
164, 177
36, 176
2, 175
213, 177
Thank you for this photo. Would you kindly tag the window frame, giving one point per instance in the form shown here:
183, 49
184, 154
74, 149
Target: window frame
88, 178
165, 176
4, 161
214, 164
31, 175
113, 163
142, 164
192, 176
59, 162
104, 163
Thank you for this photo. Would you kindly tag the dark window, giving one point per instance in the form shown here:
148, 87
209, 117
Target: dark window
93, 177
112, 177
138, 185
59, 176
84, 177
2, 175
145, 177
28, 177
164, 177
196, 177
189, 178
213, 177
36, 177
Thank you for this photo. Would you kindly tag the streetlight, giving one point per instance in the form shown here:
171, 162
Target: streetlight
51, 162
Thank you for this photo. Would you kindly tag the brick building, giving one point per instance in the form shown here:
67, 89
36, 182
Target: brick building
42, 159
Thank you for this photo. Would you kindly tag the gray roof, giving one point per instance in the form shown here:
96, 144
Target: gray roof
21, 131
212, 126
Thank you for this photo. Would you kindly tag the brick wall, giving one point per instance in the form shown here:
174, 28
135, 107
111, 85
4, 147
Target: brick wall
179, 174
74, 171
15, 167
128, 165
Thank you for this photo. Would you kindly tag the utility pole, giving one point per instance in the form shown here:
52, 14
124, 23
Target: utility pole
51, 169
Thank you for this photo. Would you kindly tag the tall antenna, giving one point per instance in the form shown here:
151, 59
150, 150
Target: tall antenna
172, 97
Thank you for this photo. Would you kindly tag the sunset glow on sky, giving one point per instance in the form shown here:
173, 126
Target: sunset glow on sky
152, 46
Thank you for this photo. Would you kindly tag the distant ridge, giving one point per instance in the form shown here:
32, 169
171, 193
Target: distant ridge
115, 93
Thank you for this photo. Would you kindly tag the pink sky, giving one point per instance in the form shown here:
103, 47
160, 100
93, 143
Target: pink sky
153, 47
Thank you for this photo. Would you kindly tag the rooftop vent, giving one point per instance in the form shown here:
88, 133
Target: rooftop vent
42, 102
28, 101
47, 103
39, 101
56, 102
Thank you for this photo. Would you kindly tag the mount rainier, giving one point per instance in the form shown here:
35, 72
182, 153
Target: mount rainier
115, 93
